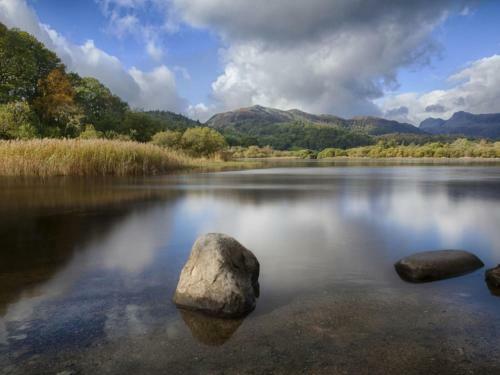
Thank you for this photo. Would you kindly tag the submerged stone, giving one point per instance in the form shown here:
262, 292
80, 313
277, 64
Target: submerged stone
437, 265
492, 277
220, 278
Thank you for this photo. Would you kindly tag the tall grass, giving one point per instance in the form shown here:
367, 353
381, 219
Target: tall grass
97, 157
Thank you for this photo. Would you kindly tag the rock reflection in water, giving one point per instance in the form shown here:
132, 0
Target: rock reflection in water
210, 330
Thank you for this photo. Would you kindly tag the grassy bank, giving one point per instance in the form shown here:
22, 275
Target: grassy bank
70, 157
461, 148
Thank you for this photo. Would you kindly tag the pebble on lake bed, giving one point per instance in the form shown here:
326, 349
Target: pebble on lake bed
437, 265
220, 278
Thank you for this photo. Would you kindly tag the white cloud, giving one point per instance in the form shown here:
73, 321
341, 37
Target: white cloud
200, 111
320, 55
156, 88
88, 60
154, 51
123, 25
475, 89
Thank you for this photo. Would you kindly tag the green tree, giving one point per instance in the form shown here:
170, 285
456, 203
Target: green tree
169, 138
24, 61
202, 141
140, 126
18, 121
100, 107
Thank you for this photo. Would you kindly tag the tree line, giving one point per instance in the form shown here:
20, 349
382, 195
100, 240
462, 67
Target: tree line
40, 99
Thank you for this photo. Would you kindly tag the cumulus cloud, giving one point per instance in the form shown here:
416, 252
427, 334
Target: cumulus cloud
319, 55
88, 60
156, 88
476, 89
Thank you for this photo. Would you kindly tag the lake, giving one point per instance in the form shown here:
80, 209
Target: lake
88, 268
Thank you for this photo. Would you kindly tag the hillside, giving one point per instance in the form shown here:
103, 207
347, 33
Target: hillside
464, 123
173, 121
240, 119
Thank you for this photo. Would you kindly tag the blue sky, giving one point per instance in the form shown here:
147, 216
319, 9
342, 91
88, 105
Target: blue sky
464, 39
346, 58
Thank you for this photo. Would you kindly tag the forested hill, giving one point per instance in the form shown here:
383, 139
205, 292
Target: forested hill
294, 128
238, 119
39, 98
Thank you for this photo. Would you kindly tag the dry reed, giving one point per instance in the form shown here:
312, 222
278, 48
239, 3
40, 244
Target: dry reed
72, 157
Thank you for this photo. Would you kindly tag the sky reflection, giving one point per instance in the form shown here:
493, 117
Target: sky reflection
309, 227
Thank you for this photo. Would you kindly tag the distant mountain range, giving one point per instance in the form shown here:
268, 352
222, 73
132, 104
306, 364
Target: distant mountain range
242, 118
468, 124
461, 123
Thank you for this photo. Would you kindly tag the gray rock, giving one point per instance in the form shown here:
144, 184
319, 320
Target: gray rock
220, 278
437, 265
492, 277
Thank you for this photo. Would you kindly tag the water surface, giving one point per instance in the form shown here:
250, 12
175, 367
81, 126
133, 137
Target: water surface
89, 267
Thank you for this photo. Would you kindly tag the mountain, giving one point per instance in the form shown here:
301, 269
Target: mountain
244, 118
464, 123
430, 124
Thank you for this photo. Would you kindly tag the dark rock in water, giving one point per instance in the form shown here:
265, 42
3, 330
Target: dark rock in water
437, 265
220, 278
210, 330
492, 277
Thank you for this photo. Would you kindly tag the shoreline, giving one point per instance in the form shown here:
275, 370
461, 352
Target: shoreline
99, 157
368, 159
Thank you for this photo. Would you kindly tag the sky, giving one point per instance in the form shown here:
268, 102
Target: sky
403, 60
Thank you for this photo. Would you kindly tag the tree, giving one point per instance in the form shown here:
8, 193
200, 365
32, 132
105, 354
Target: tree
202, 141
140, 126
18, 121
169, 138
55, 104
100, 107
24, 61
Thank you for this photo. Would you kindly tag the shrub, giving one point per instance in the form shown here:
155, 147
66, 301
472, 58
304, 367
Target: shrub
90, 133
331, 153
168, 138
306, 154
202, 141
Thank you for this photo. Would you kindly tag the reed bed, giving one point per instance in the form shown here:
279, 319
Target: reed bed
461, 148
77, 157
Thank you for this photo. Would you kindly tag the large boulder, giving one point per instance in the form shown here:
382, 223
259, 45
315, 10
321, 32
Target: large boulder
437, 265
220, 278
492, 277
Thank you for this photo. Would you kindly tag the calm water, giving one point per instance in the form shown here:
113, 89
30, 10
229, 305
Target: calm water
91, 262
